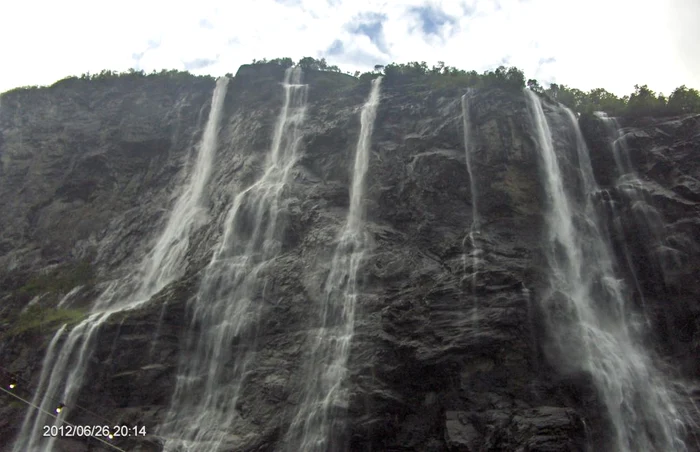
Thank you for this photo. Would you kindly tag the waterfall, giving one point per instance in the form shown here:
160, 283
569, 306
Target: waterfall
475, 228
65, 365
624, 166
165, 263
586, 306
225, 310
319, 424
633, 189
36, 399
65, 300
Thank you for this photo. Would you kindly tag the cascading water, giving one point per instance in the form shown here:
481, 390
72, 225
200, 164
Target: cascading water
475, 227
64, 366
630, 187
319, 424
587, 312
626, 175
203, 412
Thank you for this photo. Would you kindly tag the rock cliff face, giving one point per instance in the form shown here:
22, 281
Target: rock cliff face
441, 358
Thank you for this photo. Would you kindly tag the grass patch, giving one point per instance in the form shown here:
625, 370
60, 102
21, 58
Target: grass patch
38, 318
61, 280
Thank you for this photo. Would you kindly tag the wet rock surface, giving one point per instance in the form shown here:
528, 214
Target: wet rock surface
659, 227
443, 358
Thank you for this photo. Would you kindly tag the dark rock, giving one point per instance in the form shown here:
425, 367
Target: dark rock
449, 350
460, 434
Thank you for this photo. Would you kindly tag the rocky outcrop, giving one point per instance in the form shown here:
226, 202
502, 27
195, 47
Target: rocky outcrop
441, 359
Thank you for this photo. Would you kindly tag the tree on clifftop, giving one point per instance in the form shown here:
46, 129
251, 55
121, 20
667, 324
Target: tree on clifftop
684, 100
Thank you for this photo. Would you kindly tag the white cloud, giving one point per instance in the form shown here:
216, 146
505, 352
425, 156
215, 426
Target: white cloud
599, 43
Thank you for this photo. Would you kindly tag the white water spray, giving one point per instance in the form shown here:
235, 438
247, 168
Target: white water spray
65, 366
320, 424
588, 315
222, 339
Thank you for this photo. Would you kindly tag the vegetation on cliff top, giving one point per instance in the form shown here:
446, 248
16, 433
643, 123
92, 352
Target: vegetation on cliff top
107, 74
642, 102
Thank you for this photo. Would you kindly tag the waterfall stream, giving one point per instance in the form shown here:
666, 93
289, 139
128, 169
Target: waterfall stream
587, 308
222, 339
475, 228
65, 365
319, 425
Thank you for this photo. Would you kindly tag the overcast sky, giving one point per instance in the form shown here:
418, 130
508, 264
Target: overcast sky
613, 44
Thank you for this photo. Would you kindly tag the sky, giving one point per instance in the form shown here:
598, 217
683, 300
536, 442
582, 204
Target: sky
586, 44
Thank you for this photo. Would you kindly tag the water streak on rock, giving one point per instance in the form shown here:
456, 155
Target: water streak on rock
475, 228
65, 366
319, 424
203, 412
587, 310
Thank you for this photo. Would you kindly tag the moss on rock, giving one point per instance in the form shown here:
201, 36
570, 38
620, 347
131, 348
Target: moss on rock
60, 280
35, 318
